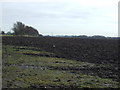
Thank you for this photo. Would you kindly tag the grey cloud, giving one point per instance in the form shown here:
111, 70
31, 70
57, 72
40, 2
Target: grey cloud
45, 10
50, 16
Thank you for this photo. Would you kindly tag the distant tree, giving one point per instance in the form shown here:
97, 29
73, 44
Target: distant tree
31, 31
18, 28
40, 35
82, 36
9, 33
21, 29
98, 36
2, 32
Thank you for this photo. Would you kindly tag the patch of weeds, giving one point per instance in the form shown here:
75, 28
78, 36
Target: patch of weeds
15, 76
31, 50
103, 65
97, 82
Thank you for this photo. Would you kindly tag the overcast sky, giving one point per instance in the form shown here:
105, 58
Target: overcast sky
63, 17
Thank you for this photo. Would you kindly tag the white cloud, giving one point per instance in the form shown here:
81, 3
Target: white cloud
97, 3
31, 0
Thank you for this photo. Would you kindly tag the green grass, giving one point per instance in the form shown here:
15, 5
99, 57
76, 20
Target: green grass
6, 35
27, 71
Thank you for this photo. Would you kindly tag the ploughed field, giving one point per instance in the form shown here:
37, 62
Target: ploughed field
32, 62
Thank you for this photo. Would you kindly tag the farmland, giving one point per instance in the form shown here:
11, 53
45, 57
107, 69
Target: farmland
32, 62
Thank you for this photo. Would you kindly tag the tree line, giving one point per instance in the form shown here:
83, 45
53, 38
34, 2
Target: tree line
21, 29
